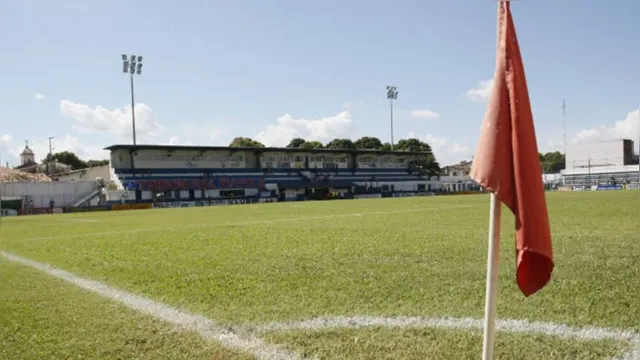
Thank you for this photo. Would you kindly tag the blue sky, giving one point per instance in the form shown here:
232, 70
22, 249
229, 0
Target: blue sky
275, 69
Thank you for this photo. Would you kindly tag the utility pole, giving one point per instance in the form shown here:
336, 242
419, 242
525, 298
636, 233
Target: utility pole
564, 133
564, 125
50, 157
392, 94
132, 65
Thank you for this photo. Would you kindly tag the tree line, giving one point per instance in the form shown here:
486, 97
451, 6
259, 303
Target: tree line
364, 143
425, 164
71, 159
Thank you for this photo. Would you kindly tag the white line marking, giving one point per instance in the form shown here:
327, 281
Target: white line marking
241, 338
257, 222
203, 326
515, 326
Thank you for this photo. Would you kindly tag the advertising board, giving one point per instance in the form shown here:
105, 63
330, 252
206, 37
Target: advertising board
134, 206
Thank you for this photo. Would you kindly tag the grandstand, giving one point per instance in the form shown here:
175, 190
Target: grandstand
601, 163
187, 173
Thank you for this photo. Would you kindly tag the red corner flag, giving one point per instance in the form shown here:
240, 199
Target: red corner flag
507, 163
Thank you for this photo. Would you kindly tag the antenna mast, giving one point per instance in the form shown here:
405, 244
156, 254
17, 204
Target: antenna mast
564, 125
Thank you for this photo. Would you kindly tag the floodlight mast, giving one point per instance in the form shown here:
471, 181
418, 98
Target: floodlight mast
132, 65
392, 94
49, 170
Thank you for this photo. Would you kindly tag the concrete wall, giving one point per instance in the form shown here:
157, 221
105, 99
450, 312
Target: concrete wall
596, 154
62, 193
279, 160
329, 160
149, 159
89, 174
367, 161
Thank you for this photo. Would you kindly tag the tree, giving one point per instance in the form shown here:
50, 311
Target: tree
245, 142
425, 164
312, 145
552, 162
368, 143
413, 145
296, 143
68, 158
386, 147
340, 144
96, 163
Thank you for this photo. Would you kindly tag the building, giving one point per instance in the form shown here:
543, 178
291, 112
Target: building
456, 178
27, 159
29, 165
604, 162
461, 169
177, 173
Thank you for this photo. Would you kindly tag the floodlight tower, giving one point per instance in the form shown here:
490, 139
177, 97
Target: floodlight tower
49, 171
392, 94
132, 65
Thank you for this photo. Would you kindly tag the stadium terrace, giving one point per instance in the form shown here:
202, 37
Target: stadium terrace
187, 173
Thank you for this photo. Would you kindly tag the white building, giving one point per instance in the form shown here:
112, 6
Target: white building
601, 163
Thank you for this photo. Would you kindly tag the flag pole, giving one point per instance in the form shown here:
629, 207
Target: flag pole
493, 268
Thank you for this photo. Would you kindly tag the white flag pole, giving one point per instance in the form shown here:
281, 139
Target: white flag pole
493, 267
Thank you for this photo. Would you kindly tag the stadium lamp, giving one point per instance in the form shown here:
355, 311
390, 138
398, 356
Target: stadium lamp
132, 65
392, 94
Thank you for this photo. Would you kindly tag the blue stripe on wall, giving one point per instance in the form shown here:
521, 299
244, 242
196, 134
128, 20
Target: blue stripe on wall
248, 170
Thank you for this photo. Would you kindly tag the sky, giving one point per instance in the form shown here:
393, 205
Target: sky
278, 69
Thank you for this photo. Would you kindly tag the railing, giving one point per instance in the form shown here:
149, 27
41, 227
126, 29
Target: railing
88, 197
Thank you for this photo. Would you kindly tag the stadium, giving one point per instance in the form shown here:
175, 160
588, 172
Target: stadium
189, 173
403, 269
278, 277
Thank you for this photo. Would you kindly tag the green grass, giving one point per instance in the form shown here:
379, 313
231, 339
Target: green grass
434, 344
45, 318
412, 257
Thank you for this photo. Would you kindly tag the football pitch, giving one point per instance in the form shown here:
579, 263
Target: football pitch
356, 279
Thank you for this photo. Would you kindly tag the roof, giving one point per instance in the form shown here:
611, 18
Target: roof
27, 151
460, 165
258, 150
26, 165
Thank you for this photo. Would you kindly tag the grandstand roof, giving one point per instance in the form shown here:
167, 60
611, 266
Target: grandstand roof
259, 150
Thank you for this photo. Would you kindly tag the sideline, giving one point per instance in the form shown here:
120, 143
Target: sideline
244, 337
513, 326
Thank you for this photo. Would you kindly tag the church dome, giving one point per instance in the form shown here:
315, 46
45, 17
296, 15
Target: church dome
27, 151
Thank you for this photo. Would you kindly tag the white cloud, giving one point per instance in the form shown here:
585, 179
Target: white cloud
629, 128
446, 152
425, 114
482, 92
215, 133
324, 129
5, 148
174, 140
116, 121
39, 97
